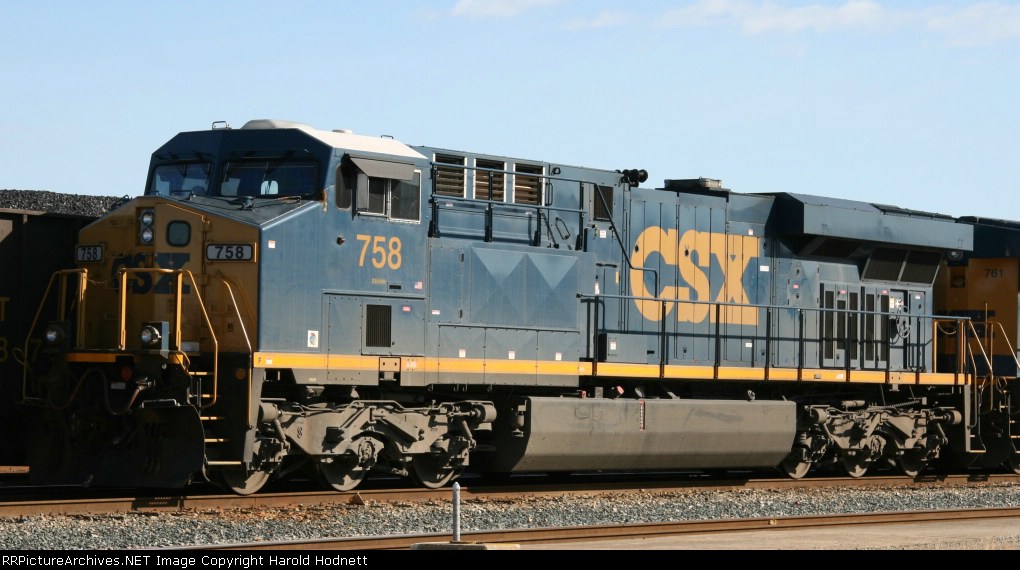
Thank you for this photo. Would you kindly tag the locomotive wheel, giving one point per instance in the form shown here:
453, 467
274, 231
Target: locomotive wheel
910, 464
854, 467
795, 469
1013, 463
243, 483
238, 480
432, 471
341, 474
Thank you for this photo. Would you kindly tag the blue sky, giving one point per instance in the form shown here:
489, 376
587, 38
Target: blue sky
908, 103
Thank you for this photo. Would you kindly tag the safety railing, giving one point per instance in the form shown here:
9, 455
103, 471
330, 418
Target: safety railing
534, 217
916, 349
60, 277
542, 211
247, 340
176, 348
987, 389
63, 280
989, 338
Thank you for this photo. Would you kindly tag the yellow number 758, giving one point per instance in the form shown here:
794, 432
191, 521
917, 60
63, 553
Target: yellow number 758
384, 253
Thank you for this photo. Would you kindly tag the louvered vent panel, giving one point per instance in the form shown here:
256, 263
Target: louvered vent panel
482, 180
604, 206
527, 189
450, 181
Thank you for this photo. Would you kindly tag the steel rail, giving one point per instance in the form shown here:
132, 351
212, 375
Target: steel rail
71, 502
624, 531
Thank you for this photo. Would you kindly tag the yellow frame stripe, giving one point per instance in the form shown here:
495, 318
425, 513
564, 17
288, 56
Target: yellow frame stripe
92, 358
107, 357
603, 369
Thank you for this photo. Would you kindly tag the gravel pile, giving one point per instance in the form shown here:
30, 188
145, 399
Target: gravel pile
57, 203
210, 527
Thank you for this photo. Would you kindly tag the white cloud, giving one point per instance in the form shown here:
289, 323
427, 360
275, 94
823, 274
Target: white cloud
981, 23
603, 20
497, 8
856, 14
976, 25
761, 17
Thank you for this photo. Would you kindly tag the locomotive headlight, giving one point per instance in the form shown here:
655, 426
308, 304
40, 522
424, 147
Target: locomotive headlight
155, 335
150, 336
146, 231
54, 334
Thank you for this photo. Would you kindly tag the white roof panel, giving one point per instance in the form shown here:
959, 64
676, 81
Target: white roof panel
345, 140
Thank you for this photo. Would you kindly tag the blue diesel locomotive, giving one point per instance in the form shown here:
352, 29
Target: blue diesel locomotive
283, 298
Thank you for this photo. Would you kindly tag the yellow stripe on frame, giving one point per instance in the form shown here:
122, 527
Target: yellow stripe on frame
562, 368
92, 358
421, 364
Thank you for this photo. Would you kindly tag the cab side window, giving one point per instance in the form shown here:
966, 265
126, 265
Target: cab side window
346, 181
381, 188
405, 198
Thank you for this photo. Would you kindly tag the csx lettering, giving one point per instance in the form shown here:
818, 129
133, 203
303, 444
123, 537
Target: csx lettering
385, 253
138, 282
141, 283
692, 254
164, 285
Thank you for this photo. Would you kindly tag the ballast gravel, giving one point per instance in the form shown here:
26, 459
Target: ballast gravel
174, 529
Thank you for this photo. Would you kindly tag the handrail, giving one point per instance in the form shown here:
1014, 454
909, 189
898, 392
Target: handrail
849, 334
549, 177
61, 315
994, 387
771, 306
247, 340
544, 202
212, 333
619, 240
178, 274
61, 277
490, 211
977, 388
1012, 351
233, 301
463, 200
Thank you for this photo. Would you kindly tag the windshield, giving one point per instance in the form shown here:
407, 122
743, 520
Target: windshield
180, 178
269, 178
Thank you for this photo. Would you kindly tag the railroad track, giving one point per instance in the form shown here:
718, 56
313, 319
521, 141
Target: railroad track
523, 537
68, 504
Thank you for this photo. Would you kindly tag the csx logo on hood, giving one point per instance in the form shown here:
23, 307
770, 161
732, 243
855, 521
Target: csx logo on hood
711, 268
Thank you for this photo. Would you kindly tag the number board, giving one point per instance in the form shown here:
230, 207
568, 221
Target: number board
229, 252
89, 253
